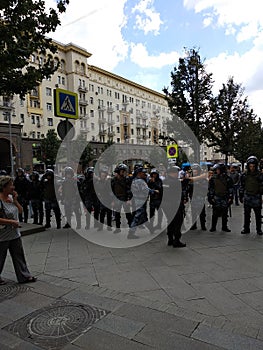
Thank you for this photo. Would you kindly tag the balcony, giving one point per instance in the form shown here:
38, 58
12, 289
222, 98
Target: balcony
102, 132
83, 102
111, 122
102, 108
111, 134
110, 109
102, 120
82, 88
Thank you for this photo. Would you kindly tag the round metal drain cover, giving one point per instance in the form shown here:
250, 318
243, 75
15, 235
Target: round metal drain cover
62, 321
54, 326
8, 291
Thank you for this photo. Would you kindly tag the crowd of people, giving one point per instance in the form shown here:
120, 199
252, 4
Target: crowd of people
145, 196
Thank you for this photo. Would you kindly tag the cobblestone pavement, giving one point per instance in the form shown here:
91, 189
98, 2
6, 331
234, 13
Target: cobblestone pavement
206, 296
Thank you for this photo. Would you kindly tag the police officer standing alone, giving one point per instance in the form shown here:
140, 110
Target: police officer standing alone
250, 193
175, 196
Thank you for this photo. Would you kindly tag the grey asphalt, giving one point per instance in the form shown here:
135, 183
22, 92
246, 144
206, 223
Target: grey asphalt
206, 296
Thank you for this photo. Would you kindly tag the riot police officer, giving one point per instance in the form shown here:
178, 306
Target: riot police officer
156, 183
50, 198
36, 198
175, 196
89, 197
220, 195
21, 184
70, 197
121, 188
250, 193
199, 185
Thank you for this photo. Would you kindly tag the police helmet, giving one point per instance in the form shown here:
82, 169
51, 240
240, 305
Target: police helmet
120, 167
89, 170
154, 171
220, 166
173, 169
141, 170
197, 167
137, 165
34, 174
20, 170
252, 160
69, 171
49, 172
3, 173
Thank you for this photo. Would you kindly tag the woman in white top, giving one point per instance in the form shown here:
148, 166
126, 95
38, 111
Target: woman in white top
10, 236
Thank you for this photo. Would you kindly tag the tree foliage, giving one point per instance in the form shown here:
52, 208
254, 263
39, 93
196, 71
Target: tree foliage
191, 93
230, 120
49, 148
23, 28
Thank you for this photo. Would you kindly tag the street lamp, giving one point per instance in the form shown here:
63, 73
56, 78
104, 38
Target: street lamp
8, 115
11, 144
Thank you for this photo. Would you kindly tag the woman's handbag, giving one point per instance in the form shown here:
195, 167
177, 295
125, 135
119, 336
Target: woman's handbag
2, 214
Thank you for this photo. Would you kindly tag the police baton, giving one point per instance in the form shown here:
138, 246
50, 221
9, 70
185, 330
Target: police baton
230, 211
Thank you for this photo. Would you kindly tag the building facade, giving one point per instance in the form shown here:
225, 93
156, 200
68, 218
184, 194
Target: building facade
111, 108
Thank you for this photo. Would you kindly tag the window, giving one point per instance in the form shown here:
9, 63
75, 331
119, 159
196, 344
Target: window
50, 121
33, 134
49, 106
22, 118
91, 87
22, 102
118, 130
118, 140
92, 126
91, 100
38, 135
59, 79
92, 113
63, 80
48, 91
33, 119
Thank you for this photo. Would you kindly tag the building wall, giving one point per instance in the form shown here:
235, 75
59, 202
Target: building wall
110, 106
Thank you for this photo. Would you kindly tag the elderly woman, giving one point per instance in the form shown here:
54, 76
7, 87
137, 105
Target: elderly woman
10, 237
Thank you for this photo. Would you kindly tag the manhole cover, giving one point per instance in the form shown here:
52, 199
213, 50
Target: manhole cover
56, 325
10, 290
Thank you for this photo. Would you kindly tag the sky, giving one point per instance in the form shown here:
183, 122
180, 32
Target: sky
142, 40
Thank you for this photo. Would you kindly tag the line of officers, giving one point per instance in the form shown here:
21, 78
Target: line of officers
106, 196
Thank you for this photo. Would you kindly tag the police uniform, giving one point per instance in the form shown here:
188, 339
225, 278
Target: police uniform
220, 196
250, 193
175, 196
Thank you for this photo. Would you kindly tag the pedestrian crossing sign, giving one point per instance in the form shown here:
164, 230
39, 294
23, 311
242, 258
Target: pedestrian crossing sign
66, 104
172, 151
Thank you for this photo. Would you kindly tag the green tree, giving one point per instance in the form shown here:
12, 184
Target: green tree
49, 147
191, 93
23, 28
81, 151
229, 118
250, 140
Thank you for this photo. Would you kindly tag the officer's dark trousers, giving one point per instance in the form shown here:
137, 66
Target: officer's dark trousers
247, 216
217, 212
174, 227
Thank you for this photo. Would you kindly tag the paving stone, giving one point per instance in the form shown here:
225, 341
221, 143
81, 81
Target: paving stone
97, 339
121, 326
226, 340
152, 317
92, 299
161, 339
